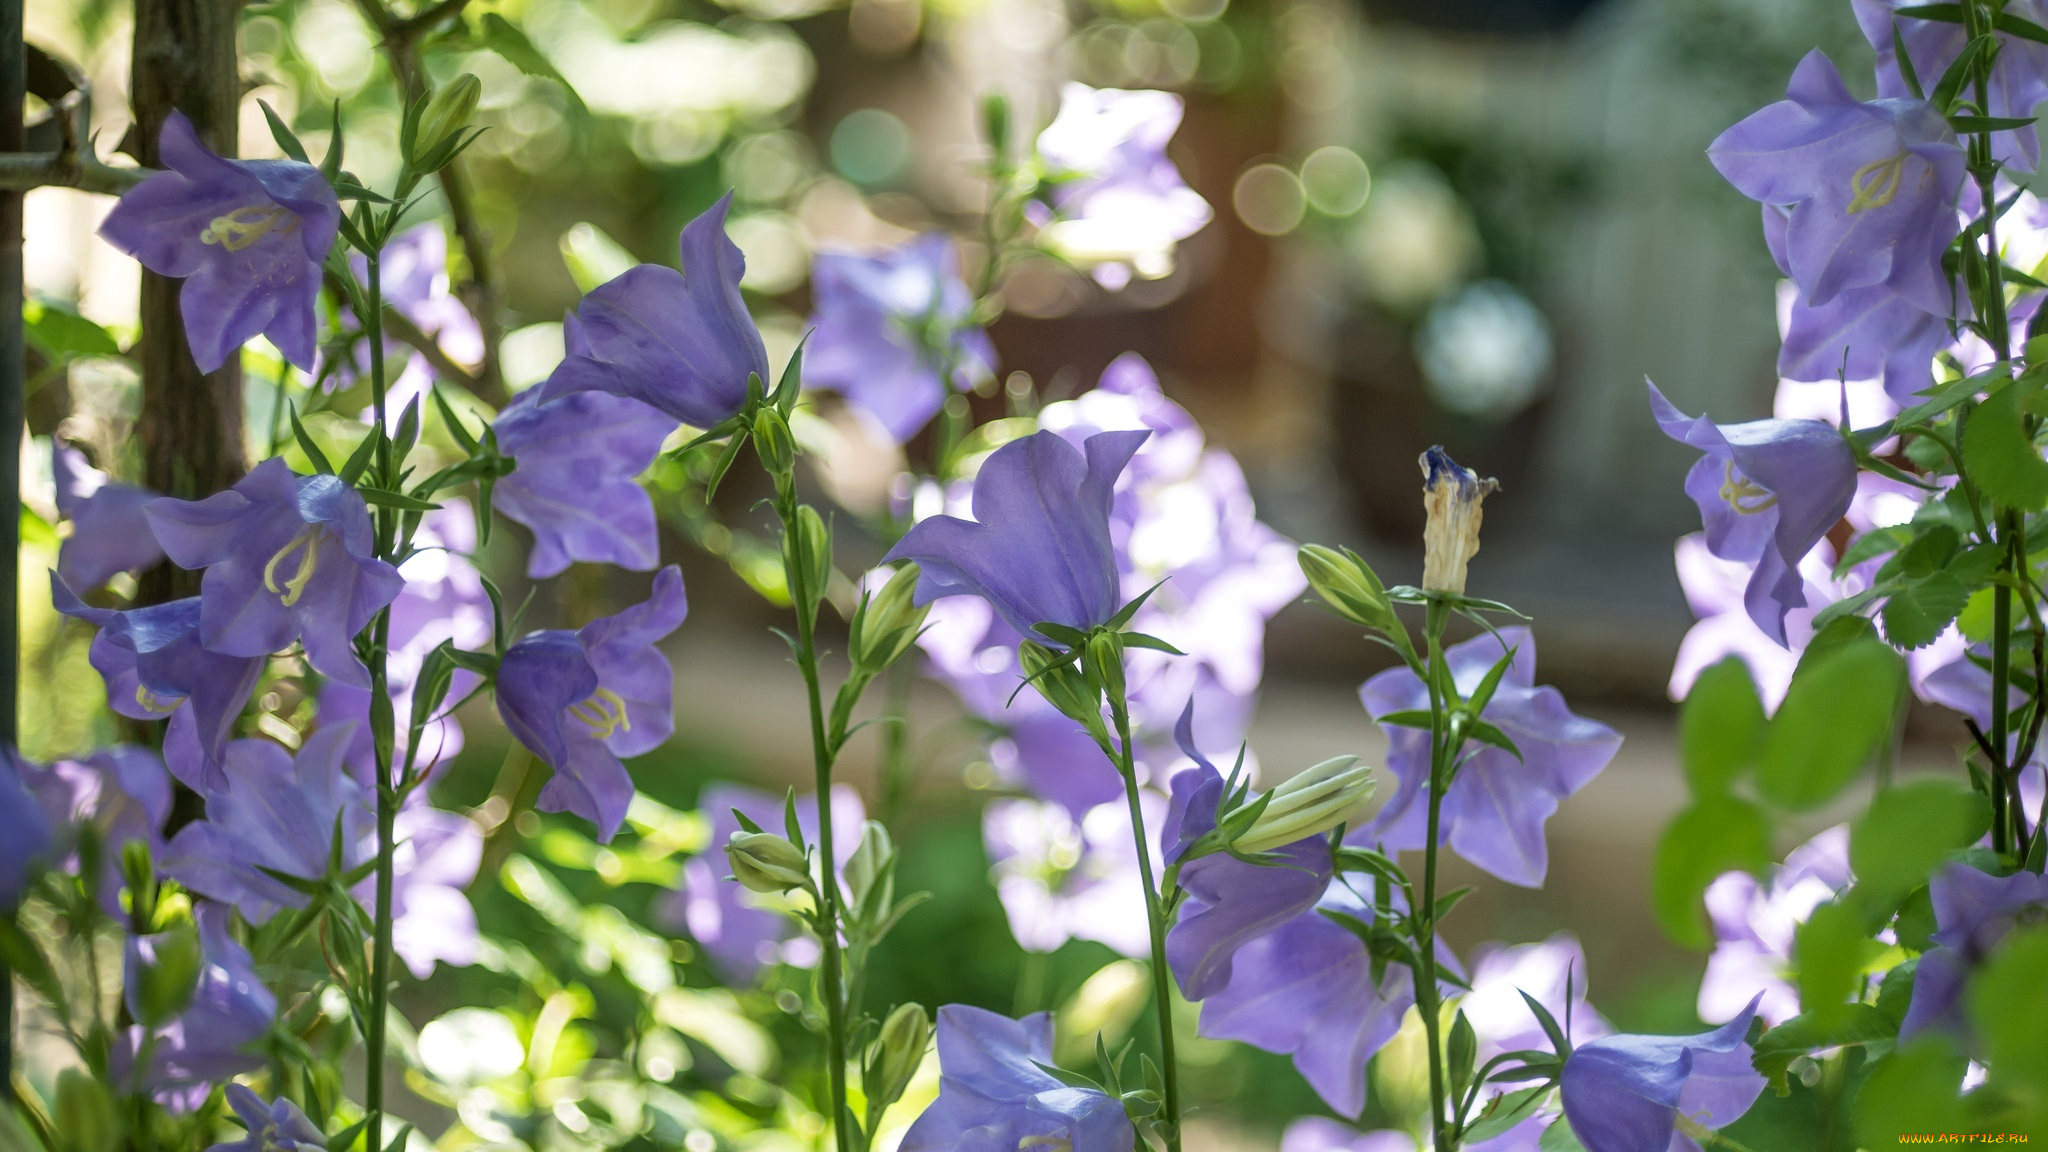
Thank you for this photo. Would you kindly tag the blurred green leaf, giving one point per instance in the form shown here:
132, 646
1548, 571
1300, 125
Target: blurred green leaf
2000, 456
509, 41
2008, 1005
1717, 834
60, 333
1912, 1090
1720, 728
1830, 951
1838, 713
1860, 1024
1908, 830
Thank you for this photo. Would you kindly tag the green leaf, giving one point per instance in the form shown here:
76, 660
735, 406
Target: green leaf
2018, 26
1830, 952
1717, 834
1859, 1024
1915, 1089
1945, 13
1872, 544
287, 140
313, 453
1720, 728
1559, 1137
2008, 1005
1504, 1112
60, 333
507, 40
1921, 608
398, 500
592, 256
358, 460
2000, 456
1965, 125
1909, 829
1838, 713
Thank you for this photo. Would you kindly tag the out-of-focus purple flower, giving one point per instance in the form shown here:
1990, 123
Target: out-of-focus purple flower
209, 1041
1061, 877
679, 341
287, 558
123, 791
1553, 971
1321, 1134
1715, 588
613, 682
1495, 807
281, 814
109, 532
414, 281
741, 931
577, 484
247, 237
155, 667
276, 1127
894, 332
1872, 187
1229, 901
1117, 202
1308, 989
1768, 491
1754, 925
1973, 911
993, 1094
24, 830
1627, 1093
2017, 84
1039, 547
1869, 333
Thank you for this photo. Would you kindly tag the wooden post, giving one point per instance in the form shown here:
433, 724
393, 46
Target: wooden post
13, 351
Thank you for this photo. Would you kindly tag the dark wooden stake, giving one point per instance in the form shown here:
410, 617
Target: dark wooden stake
13, 353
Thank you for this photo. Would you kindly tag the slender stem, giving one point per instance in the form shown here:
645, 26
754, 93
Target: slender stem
899, 774
382, 737
1427, 1000
1155, 920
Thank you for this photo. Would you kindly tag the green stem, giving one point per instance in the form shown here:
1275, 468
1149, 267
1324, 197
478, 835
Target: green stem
382, 741
899, 775
1155, 920
1427, 1000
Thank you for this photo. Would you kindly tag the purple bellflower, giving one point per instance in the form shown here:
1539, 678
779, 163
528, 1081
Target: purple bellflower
1715, 588
582, 700
576, 487
1768, 491
2018, 83
155, 666
1872, 187
1117, 202
123, 791
287, 558
1229, 901
742, 931
24, 830
994, 1097
1754, 925
414, 280
1496, 805
1322, 1134
1552, 971
1039, 548
1062, 876
1631, 1093
1973, 912
277, 1127
211, 1039
894, 332
1869, 333
678, 341
247, 237
109, 533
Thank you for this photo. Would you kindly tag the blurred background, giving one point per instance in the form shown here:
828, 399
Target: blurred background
1478, 223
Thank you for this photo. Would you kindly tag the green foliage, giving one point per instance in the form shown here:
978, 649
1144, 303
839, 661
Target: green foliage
1839, 712
1716, 834
1720, 729
1831, 952
1999, 454
1911, 1090
1909, 829
2008, 1009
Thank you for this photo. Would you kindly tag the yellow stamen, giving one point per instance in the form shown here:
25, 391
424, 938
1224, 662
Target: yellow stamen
245, 226
155, 704
309, 561
1737, 488
1876, 183
604, 713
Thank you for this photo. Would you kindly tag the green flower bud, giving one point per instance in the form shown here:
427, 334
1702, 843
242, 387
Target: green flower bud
898, 1051
773, 440
442, 121
1331, 793
765, 862
869, 867
1062, 685
168, 965
1104, 659
807, 551
886, 623
1346, 584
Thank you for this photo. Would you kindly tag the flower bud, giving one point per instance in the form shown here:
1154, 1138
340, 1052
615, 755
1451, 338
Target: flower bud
765, 862
447, 113
899, 1049
1451, 496
1348, 585
774, 442
869, 866
887, 622
1061, 684
1104, 659
1331, 793
163, 972
807, 550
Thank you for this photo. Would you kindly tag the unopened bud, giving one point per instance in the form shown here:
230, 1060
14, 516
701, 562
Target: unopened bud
869, 867
1104, 659
887, 622
807, 550
772, 439
1060, 683
1348, 585
447, 113
163, 972
1331, 793
898, 1051
765, 862
1451, 496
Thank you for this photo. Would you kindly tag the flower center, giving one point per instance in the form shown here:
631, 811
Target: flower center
245, 226
307, 545
604, 713
155, 704
1876, 183
1744, 495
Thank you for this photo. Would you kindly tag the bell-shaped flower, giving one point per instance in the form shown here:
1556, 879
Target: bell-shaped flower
1715, 588
1754, 926
24, 831
894, 333
155, 666
247, 237
180, 1061
1628, 1093
1973, 912
1495, 808
1229, 901
1039, 547
581, 700
681, 342
1872, 187
2016, 86
1552, 972
1870, 333
287, 558
1322, 1134
109, 533
276, 1127
1117, 203
577, 482
1062, 876
742, 932
994, 1097
1768, 491
122, 791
